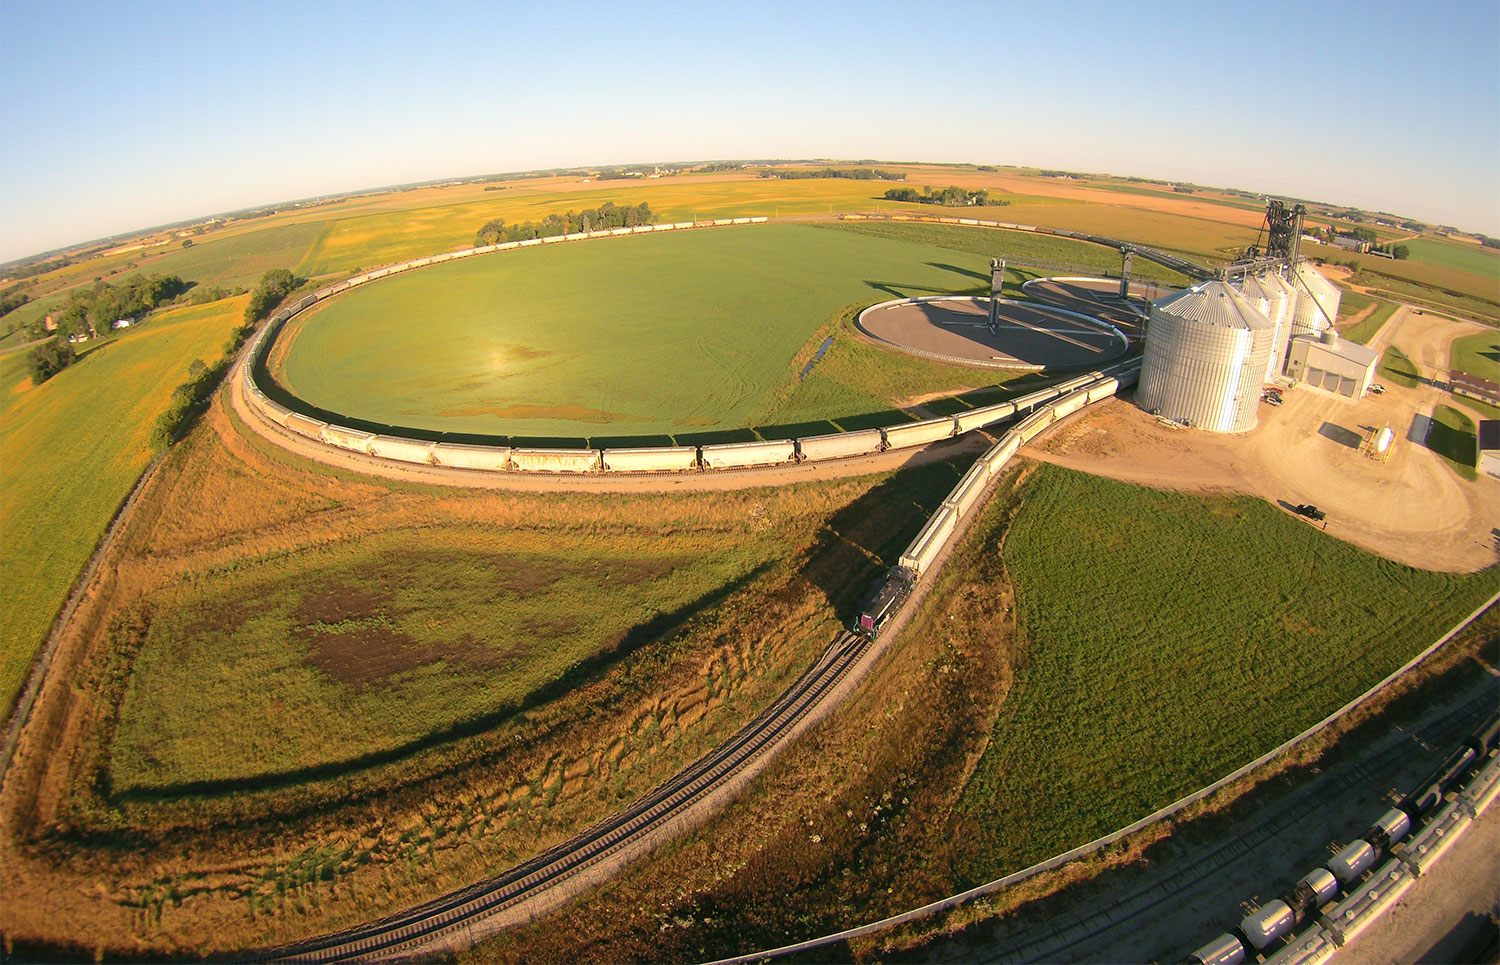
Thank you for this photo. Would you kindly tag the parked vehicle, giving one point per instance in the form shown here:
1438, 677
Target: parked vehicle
1310, 511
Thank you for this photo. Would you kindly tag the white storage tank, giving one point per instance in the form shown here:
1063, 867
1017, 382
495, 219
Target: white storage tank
1317, 301
1205, 361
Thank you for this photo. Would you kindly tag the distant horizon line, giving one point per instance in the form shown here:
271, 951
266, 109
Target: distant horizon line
277, 206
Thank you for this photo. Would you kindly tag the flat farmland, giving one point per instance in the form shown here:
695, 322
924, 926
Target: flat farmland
236, 260
1458, 255
70, 449
1167, 639
650, 335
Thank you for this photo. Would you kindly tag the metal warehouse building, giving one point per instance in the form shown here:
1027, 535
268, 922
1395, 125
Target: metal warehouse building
1332, 364
1207, 350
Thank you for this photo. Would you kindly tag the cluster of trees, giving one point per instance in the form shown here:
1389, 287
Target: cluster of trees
1488, 242
851, 174
607, 215
11, 299
50, 358
1398, 252
274, 285
951, 196
91, 311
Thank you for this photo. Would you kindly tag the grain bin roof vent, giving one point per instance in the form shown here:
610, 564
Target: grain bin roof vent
1215, 303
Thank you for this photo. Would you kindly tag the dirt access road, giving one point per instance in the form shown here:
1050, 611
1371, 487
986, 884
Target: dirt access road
1413, 508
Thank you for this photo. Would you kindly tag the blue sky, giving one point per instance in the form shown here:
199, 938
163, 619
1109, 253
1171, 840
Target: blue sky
120, 116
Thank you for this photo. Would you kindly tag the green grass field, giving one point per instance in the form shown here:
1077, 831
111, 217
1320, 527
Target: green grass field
663, 335
1456, 255
70, 449
1171, 638
1396, 367
327, 656
1477, 354
1367, 329
1454, 436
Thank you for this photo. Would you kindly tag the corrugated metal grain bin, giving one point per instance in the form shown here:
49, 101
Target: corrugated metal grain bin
1065, 407
969, 489
919, 433
984, 416
836, 444
459, 456
1317, 301
402, 450
660, 459
1033, 399
352, 439
304, 426
1205, 359
1002, 452
1103, 389
555, 460
730, 455
930, 541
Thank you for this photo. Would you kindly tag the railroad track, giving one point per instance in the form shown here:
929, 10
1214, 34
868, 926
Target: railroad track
408, 932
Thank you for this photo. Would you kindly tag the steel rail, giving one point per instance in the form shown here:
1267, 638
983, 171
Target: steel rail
429, 922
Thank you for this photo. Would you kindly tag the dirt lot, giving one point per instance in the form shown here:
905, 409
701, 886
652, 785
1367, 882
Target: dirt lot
1412, 508
1028, 336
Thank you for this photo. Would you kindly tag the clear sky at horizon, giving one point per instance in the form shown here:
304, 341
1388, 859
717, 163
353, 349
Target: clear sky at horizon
122, 116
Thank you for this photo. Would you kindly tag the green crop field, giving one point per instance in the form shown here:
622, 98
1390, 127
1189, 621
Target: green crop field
672, 334
238, 260
1170, 638
70, 449
1456, 255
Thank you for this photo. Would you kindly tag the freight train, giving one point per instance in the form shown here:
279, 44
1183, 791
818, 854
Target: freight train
1350, 871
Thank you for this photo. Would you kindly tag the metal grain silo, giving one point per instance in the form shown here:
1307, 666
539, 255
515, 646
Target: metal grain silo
1205, 359
1317, 302
1285, 302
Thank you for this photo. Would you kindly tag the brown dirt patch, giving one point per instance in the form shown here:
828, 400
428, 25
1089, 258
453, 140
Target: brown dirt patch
335, 603
373, 655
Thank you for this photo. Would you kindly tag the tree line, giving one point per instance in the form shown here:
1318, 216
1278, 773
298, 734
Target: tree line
951, 196
93, 310
607, 215
11, 299
851, 174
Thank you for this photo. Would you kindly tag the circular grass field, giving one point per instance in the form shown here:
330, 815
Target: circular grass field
671, 334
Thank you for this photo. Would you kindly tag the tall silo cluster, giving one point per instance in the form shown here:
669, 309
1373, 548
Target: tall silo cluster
1317, 301
1207, 352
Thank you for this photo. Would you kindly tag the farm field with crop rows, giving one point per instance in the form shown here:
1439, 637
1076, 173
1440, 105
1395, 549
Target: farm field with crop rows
658, 335
70, 449
1167, 639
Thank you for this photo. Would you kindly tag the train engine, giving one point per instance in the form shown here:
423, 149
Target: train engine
884, 601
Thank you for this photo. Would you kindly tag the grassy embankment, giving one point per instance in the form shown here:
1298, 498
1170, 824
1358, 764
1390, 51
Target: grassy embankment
1164, 639
1454, 436
70, 449
1397, 368
324, 601
1367, 328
